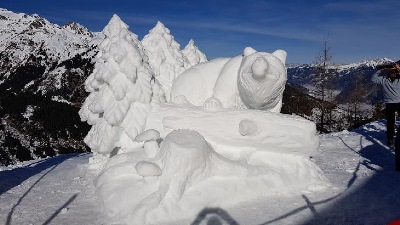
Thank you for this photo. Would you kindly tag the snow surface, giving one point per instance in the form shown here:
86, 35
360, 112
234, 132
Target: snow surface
359, 167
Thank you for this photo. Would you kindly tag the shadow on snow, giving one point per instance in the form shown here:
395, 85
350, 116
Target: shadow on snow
377, 201
58, 211
12, 178
214, 216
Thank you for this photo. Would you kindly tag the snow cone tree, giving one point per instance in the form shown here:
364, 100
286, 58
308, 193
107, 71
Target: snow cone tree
121, 88
165, 57
193, 54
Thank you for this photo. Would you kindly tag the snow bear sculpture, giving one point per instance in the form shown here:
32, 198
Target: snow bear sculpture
254, 80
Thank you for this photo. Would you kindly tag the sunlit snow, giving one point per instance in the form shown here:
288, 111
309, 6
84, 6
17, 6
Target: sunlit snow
164, 155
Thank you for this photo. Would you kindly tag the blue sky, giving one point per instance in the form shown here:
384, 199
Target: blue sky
356, 30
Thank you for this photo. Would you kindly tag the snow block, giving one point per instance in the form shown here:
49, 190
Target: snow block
275, 132
188, 175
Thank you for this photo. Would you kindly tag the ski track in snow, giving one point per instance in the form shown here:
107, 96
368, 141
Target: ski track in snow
364, 190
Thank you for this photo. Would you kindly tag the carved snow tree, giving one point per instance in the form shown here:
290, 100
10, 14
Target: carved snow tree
165, 56
120, 90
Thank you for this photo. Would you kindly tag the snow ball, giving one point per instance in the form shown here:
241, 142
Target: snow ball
151, 148
212, 104
64, 210
148, 135
248, 128
147, 169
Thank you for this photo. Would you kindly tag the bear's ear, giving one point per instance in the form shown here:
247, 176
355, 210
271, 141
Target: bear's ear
248, 51
280, 54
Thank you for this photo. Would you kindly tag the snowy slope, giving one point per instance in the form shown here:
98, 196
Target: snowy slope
360, 168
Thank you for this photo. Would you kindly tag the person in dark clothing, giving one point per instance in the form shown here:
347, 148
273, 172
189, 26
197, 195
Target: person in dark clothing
391, 110
390, 82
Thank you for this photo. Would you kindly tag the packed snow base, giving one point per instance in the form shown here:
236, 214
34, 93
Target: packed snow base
151, 184
163, 161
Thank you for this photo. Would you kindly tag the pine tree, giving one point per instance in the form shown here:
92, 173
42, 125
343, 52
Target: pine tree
323, 83
356, 98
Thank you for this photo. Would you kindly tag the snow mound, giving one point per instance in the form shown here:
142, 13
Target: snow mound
208, 178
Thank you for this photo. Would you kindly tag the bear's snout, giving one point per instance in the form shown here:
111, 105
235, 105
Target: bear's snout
259, 68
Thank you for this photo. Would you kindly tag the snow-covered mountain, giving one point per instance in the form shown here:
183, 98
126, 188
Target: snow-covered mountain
43, 66
344, 81
39, 56
352, 97
22, 33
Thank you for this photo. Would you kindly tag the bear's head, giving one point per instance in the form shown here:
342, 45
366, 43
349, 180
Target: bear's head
261, 79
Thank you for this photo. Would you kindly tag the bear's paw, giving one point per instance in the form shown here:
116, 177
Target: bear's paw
212, 104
